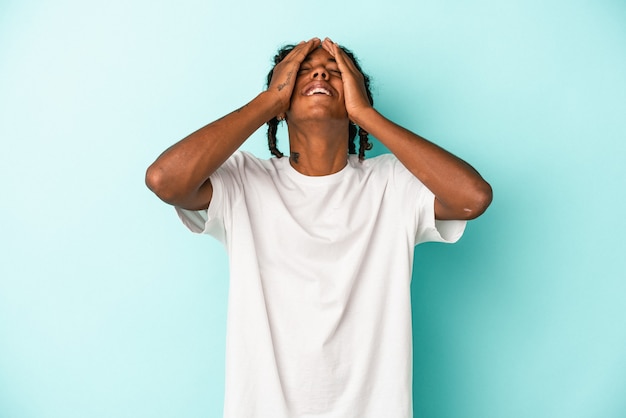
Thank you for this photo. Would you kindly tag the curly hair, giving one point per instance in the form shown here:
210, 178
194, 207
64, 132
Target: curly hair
353, 130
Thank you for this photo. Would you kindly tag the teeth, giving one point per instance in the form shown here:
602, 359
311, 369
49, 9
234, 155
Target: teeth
318, 90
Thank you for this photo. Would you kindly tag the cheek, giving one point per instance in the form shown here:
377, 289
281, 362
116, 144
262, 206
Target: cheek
338, 85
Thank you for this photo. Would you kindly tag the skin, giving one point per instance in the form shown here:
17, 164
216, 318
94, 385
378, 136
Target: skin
317, 134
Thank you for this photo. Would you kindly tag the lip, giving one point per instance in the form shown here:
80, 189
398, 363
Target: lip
322, 85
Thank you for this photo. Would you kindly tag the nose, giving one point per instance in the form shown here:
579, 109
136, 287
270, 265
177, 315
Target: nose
319, 72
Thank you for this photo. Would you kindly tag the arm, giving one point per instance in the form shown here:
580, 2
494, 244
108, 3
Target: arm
180, 176
460, 191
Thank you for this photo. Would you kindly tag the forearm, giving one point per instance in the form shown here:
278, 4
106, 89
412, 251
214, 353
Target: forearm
460, 191
185, 167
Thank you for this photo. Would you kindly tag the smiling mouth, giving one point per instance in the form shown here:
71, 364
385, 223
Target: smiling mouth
317, 90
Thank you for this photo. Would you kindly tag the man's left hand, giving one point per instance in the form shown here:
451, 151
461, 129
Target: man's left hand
353, 82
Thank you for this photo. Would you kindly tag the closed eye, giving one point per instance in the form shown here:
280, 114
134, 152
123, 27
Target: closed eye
336, 72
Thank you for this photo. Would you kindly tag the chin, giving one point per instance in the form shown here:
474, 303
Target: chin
318, 114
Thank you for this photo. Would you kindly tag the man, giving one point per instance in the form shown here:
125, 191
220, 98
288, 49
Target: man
320, 244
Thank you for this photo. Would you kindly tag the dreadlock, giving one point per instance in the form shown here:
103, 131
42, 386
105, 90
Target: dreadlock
353, 130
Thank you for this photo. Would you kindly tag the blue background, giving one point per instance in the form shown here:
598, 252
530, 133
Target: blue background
110, 308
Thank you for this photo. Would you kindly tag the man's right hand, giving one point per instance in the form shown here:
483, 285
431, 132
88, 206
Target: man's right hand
285, 72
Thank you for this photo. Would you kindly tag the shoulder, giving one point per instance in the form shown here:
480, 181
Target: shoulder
243, 159
378, 162
388, 169
246, 163
242, 173
386, 165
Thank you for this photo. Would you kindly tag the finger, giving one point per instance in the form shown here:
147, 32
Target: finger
332, 47
300, 51
294, 58
284, 76
342, 58
343, 61
327, 44
351, 75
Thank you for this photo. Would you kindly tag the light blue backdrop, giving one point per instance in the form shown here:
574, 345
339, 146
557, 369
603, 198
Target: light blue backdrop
110, 308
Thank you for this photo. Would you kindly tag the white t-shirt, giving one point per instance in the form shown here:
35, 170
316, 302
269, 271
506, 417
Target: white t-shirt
319, 313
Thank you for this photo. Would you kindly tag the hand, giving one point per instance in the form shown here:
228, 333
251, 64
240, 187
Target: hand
286, 71
354, 89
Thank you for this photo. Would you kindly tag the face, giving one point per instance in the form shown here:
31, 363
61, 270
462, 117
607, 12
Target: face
318, 92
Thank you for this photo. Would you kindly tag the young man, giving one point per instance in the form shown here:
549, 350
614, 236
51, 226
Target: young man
320, 243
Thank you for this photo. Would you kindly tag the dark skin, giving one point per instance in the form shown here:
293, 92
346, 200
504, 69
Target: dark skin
317, 124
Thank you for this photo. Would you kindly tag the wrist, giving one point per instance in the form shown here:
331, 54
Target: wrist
276, 100
272, 102
364, 117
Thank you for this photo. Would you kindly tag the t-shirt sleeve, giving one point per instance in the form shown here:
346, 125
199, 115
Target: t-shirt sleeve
431, 229
419, 202
225, 182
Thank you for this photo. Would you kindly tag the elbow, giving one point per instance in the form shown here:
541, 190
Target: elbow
479, 201
176, 189
469, 203
156, 180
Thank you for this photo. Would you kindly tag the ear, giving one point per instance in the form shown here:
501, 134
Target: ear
281, 117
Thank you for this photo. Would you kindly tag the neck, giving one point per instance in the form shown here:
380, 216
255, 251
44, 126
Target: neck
318, 150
